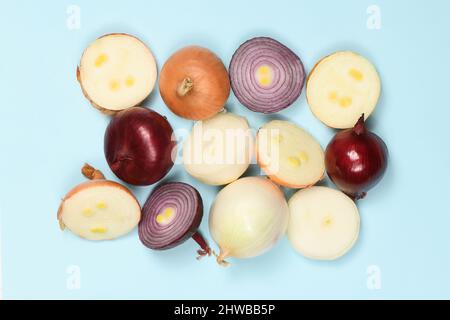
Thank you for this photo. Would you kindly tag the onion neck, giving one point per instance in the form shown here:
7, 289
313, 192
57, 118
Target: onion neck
205, 249
360, 126
91, 173
359, 195
185, 87
221, 258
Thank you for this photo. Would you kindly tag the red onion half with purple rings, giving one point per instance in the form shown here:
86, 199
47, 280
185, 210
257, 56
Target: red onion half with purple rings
170, 216
266, 76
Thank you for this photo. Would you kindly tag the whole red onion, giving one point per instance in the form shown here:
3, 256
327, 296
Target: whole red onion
356, 160
139, 146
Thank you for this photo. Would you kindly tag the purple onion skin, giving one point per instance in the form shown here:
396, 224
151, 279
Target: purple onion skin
356, 160
138, 146
148, 213
288, 68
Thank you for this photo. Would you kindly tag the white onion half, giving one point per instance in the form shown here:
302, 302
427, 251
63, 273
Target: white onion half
289, 155
117, 71
218, 150
341, 87
99, 209
324, 223
247, 218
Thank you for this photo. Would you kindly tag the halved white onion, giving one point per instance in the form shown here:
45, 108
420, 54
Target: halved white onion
99, 209
116, 72
289, 155
341, 87
218, 150
323, 224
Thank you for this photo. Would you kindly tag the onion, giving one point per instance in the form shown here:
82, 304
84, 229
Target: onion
99, 209
194, 83
117, 71
266, 76
138, 146
356, 160
341, 87
323, 223
171, 215
289, 155
218, 150
247, 218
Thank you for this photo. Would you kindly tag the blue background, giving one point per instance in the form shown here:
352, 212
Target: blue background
48, 130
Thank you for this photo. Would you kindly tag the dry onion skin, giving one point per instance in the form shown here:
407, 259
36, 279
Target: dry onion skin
289, 155
341, 87
266, 76
218, 150
99, 209
170, 216
194, 83
323, 224
116, 72
247, 218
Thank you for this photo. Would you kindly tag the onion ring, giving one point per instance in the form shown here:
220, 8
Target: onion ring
266, 76
170, 216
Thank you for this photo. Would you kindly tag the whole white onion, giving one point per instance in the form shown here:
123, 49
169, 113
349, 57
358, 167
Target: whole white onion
247, 218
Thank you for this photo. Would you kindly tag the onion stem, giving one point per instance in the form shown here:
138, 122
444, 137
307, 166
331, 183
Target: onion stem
91, 173
185, 86
205, 249
357, 196
360, 126
221, 258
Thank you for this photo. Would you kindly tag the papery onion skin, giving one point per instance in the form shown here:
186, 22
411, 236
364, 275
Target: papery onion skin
139, 145
194, 83
188, 206
247, 218
356, 160
288, 75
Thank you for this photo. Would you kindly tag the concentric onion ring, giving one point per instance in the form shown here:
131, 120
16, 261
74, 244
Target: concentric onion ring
170, 216
266, 76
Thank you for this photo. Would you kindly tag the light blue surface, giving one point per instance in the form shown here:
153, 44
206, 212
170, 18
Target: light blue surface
48, 130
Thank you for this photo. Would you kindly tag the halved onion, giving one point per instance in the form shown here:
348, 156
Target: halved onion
219, 149
266, 76
289, 155
170, 216
341, 87
117, 71
99, 209
323, 224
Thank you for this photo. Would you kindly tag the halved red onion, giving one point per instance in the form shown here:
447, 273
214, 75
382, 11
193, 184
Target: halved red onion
170, 216
266, 76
